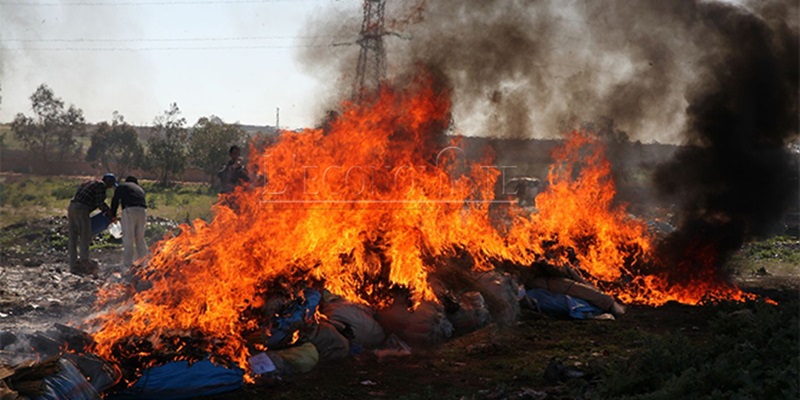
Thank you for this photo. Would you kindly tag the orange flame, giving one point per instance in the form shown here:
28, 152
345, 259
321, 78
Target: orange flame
613, 249
577, 213
364, 206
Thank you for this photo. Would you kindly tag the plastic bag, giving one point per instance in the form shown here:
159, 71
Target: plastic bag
297, 359
471, 313
425, 325
67, 384
329, 342
100, 373
182, 380
297, 315
366, 331
115, 229
563, 306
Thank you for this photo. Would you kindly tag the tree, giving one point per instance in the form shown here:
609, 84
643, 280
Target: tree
51, 134
71, 124
116, 144
166, 148
209, 144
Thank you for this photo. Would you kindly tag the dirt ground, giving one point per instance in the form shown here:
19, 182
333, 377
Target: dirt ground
526, 360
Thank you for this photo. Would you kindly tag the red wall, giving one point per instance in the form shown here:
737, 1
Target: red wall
21, 161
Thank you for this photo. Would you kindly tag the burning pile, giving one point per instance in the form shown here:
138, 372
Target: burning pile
370, 206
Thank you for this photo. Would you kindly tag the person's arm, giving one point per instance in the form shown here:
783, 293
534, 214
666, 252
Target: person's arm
243, 176
106, 210
221, 172
115, 202
100, 198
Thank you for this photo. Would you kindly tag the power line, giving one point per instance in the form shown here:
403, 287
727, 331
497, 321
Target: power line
144, 3
198, 48
194, 39
548, 67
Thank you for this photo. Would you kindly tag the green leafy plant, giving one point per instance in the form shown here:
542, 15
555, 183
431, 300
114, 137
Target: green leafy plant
753, 355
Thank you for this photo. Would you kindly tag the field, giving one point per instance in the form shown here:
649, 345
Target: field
720, 350
26, 198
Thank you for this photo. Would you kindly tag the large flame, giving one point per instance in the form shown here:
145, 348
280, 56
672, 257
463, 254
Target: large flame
612, 248
366, 205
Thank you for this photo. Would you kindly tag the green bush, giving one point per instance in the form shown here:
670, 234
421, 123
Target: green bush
58, 242
783, 248
169, 198
753, 355
15, 199
63, 192
152, 202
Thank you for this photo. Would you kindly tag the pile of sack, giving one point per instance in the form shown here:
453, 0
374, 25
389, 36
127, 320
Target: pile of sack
313, 326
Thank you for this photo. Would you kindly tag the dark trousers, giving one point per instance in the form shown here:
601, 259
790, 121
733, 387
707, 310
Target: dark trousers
80, 232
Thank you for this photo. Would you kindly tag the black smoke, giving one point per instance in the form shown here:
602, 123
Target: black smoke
719, 78
740, 177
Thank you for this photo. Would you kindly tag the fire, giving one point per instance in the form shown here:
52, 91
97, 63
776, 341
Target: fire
577, 213
583, 227
367, 205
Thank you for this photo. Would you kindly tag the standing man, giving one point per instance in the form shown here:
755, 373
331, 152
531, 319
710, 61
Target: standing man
90, 196
233, 173
134, 215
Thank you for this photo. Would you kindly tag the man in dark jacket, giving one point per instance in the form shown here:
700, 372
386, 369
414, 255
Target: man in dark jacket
233, 173
134, 215
91, 195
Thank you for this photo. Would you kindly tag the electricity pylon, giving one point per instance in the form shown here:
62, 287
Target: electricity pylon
371, 69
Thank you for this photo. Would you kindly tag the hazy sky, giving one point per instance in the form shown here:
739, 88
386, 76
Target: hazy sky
517, 68
231, 58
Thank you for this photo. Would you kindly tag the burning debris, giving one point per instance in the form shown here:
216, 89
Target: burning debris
367, 228
376, 233
55, 374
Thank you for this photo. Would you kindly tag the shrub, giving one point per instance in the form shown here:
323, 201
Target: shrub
63, 192
753, 355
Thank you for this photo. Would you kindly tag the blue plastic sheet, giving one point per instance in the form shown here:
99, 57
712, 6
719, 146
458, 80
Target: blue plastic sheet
67, 384
293, 317
180, 380
99, 223
562, 305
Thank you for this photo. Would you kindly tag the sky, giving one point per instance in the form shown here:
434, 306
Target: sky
236, 59
517, 68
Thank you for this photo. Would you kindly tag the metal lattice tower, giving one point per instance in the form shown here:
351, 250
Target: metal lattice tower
371, 69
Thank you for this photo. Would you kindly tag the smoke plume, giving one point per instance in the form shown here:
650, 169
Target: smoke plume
720, 78
741, 177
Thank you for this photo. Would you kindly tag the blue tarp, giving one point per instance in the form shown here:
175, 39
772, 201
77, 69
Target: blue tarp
179, 380
293, 317
67, 384
562, 305
99, 223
